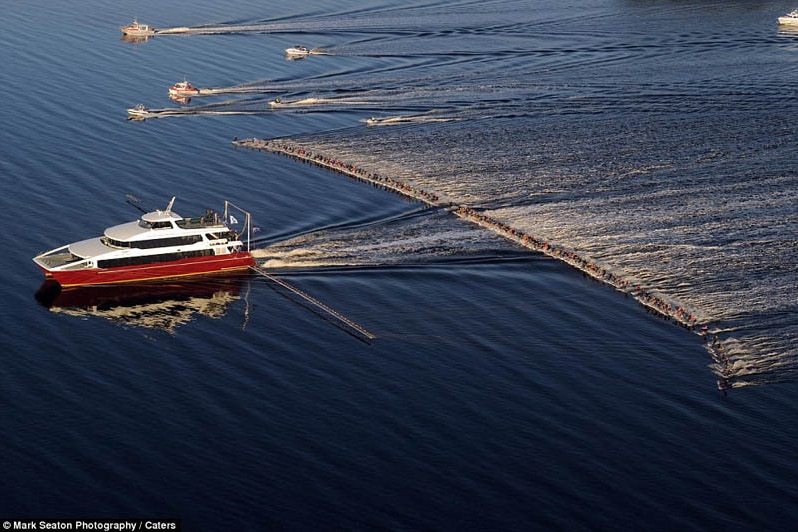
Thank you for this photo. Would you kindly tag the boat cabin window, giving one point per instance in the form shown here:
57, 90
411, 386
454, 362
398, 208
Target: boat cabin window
153, 243
229, 235
154, 225
153, 259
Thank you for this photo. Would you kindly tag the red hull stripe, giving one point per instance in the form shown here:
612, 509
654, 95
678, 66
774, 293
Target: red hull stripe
148, 272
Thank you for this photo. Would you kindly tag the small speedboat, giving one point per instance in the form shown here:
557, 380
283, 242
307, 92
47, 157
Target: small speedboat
137, 29
790, 19
297, 51
140, 111
183, 89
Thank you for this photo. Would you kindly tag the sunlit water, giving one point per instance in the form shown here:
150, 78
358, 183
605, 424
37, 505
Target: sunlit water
504, 390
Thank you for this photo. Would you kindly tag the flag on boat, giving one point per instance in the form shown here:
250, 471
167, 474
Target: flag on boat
233, 219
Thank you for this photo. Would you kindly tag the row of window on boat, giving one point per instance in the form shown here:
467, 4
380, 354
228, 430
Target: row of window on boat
167, 242
149, 259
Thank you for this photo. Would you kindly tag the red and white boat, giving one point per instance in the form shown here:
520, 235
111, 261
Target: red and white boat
137, 29
159, 245
183, 89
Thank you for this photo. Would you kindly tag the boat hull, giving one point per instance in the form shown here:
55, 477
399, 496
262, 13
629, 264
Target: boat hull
184, 93
137, 33
149, 272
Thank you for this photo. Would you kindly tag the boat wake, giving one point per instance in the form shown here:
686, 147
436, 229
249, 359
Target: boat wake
428, 239
429, 116
311, 102
236, 89
233, 107
254, 106
221, 29
724, 272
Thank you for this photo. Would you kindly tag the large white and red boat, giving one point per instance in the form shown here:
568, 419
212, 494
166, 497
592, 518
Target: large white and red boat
183, 89
137, 29
159, 245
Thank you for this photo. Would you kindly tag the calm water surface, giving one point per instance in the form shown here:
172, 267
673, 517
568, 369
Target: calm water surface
505, 390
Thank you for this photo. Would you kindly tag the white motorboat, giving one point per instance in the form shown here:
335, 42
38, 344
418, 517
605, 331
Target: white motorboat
790, 19
139, 112
297, 51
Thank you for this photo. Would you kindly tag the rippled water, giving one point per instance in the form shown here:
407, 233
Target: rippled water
683, 183
504, 390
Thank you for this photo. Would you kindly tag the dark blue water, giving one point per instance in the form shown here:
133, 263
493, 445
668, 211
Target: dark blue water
505, 390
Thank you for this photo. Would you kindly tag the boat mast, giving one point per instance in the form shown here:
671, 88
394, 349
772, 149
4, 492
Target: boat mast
247, 218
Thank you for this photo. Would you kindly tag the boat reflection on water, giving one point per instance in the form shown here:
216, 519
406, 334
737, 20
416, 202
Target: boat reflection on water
135, 39
180, 99
162, 305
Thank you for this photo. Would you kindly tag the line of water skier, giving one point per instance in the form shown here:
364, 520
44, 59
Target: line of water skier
349, 169
652, 301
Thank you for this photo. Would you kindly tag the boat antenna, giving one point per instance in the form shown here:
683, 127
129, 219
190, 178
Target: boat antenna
171, 202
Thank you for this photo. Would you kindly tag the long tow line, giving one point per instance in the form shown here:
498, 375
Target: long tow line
307, 297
